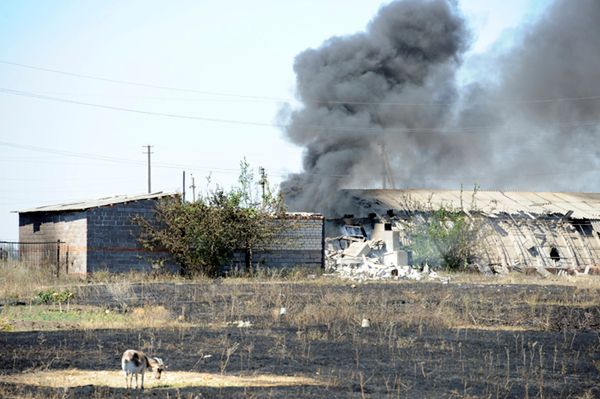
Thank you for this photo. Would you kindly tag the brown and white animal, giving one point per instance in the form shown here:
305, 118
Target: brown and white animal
136, 362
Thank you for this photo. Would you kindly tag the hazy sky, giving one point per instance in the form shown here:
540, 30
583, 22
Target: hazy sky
225, 69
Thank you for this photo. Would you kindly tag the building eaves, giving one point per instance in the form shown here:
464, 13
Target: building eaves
95, 203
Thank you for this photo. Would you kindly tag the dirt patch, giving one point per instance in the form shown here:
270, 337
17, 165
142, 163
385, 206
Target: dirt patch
71, 378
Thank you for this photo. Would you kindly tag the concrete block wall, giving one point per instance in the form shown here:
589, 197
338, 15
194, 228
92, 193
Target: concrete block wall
68, 227
298, 234
113, 237
298, 243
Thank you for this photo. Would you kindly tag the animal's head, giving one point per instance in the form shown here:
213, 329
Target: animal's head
158, 367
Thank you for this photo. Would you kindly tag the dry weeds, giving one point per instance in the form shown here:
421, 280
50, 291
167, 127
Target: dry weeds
582, 282
47, 317
18, 281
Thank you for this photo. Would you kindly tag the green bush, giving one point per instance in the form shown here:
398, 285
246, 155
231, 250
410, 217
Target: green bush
53, 296
446, 238
202, 236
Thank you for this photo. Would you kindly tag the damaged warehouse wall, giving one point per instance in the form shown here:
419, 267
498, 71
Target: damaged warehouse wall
539, 230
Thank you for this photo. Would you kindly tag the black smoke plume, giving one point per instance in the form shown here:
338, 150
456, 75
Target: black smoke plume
388, 102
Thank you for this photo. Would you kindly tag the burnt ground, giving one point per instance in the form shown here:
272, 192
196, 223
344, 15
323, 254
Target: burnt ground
426, 340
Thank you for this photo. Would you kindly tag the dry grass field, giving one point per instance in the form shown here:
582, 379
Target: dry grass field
512, 337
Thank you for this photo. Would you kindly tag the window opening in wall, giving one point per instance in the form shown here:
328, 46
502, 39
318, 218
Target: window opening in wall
533, 251
554, 255
387, 227
585, 228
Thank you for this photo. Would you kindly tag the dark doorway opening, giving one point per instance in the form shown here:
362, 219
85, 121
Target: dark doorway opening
554, 255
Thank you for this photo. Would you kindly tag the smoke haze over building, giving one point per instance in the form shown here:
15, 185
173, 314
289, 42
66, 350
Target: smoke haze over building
390, 98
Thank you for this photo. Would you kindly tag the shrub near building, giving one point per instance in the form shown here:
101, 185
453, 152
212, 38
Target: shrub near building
203, 235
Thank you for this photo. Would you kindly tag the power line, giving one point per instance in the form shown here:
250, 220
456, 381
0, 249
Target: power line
139, 84
166, 165
443, 129
70, 153
113, 159
137, 111
282, 100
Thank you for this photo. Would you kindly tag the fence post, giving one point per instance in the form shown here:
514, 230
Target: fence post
57, 258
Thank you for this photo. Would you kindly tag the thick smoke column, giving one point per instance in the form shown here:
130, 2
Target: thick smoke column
350, 88
531, 123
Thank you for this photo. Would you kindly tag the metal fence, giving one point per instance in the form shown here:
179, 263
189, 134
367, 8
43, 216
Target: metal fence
53, 254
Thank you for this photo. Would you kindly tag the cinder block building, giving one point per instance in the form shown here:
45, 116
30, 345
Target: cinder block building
95, 235
101, 235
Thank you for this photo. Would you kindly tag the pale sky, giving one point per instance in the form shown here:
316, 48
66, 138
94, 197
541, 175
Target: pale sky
225, 65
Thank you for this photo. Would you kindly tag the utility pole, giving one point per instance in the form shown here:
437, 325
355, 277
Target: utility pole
262, 182
183, 196
193, 187
387, 175
149, 152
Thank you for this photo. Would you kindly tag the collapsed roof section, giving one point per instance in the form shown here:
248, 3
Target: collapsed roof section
542, 230
489, 203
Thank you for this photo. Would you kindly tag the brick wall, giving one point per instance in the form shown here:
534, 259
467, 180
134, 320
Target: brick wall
112, 238
68, 227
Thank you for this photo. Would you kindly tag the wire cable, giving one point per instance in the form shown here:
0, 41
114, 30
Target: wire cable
443, 129
287, 100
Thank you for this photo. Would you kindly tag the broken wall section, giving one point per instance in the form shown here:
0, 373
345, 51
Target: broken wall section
553, 242
522, 242
370, 252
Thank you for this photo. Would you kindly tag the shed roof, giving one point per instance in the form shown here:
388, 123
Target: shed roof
106, 201
581, 205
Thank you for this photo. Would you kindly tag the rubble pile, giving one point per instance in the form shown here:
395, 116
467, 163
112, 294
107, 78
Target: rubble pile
359, 259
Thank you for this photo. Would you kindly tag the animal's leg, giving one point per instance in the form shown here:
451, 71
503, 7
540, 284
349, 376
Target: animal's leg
136, 381
143, 379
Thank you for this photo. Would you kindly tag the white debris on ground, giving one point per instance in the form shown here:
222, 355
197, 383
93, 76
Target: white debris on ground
240, 323
359, 259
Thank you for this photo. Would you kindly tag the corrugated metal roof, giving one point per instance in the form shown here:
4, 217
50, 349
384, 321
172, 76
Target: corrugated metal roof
82, 205
582, 205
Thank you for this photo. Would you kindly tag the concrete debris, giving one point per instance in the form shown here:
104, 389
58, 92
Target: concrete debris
243, 323
357, 249
370, 260
585, 272
542, 271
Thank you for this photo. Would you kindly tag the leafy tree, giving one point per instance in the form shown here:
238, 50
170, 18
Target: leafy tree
447, 238
203, 235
